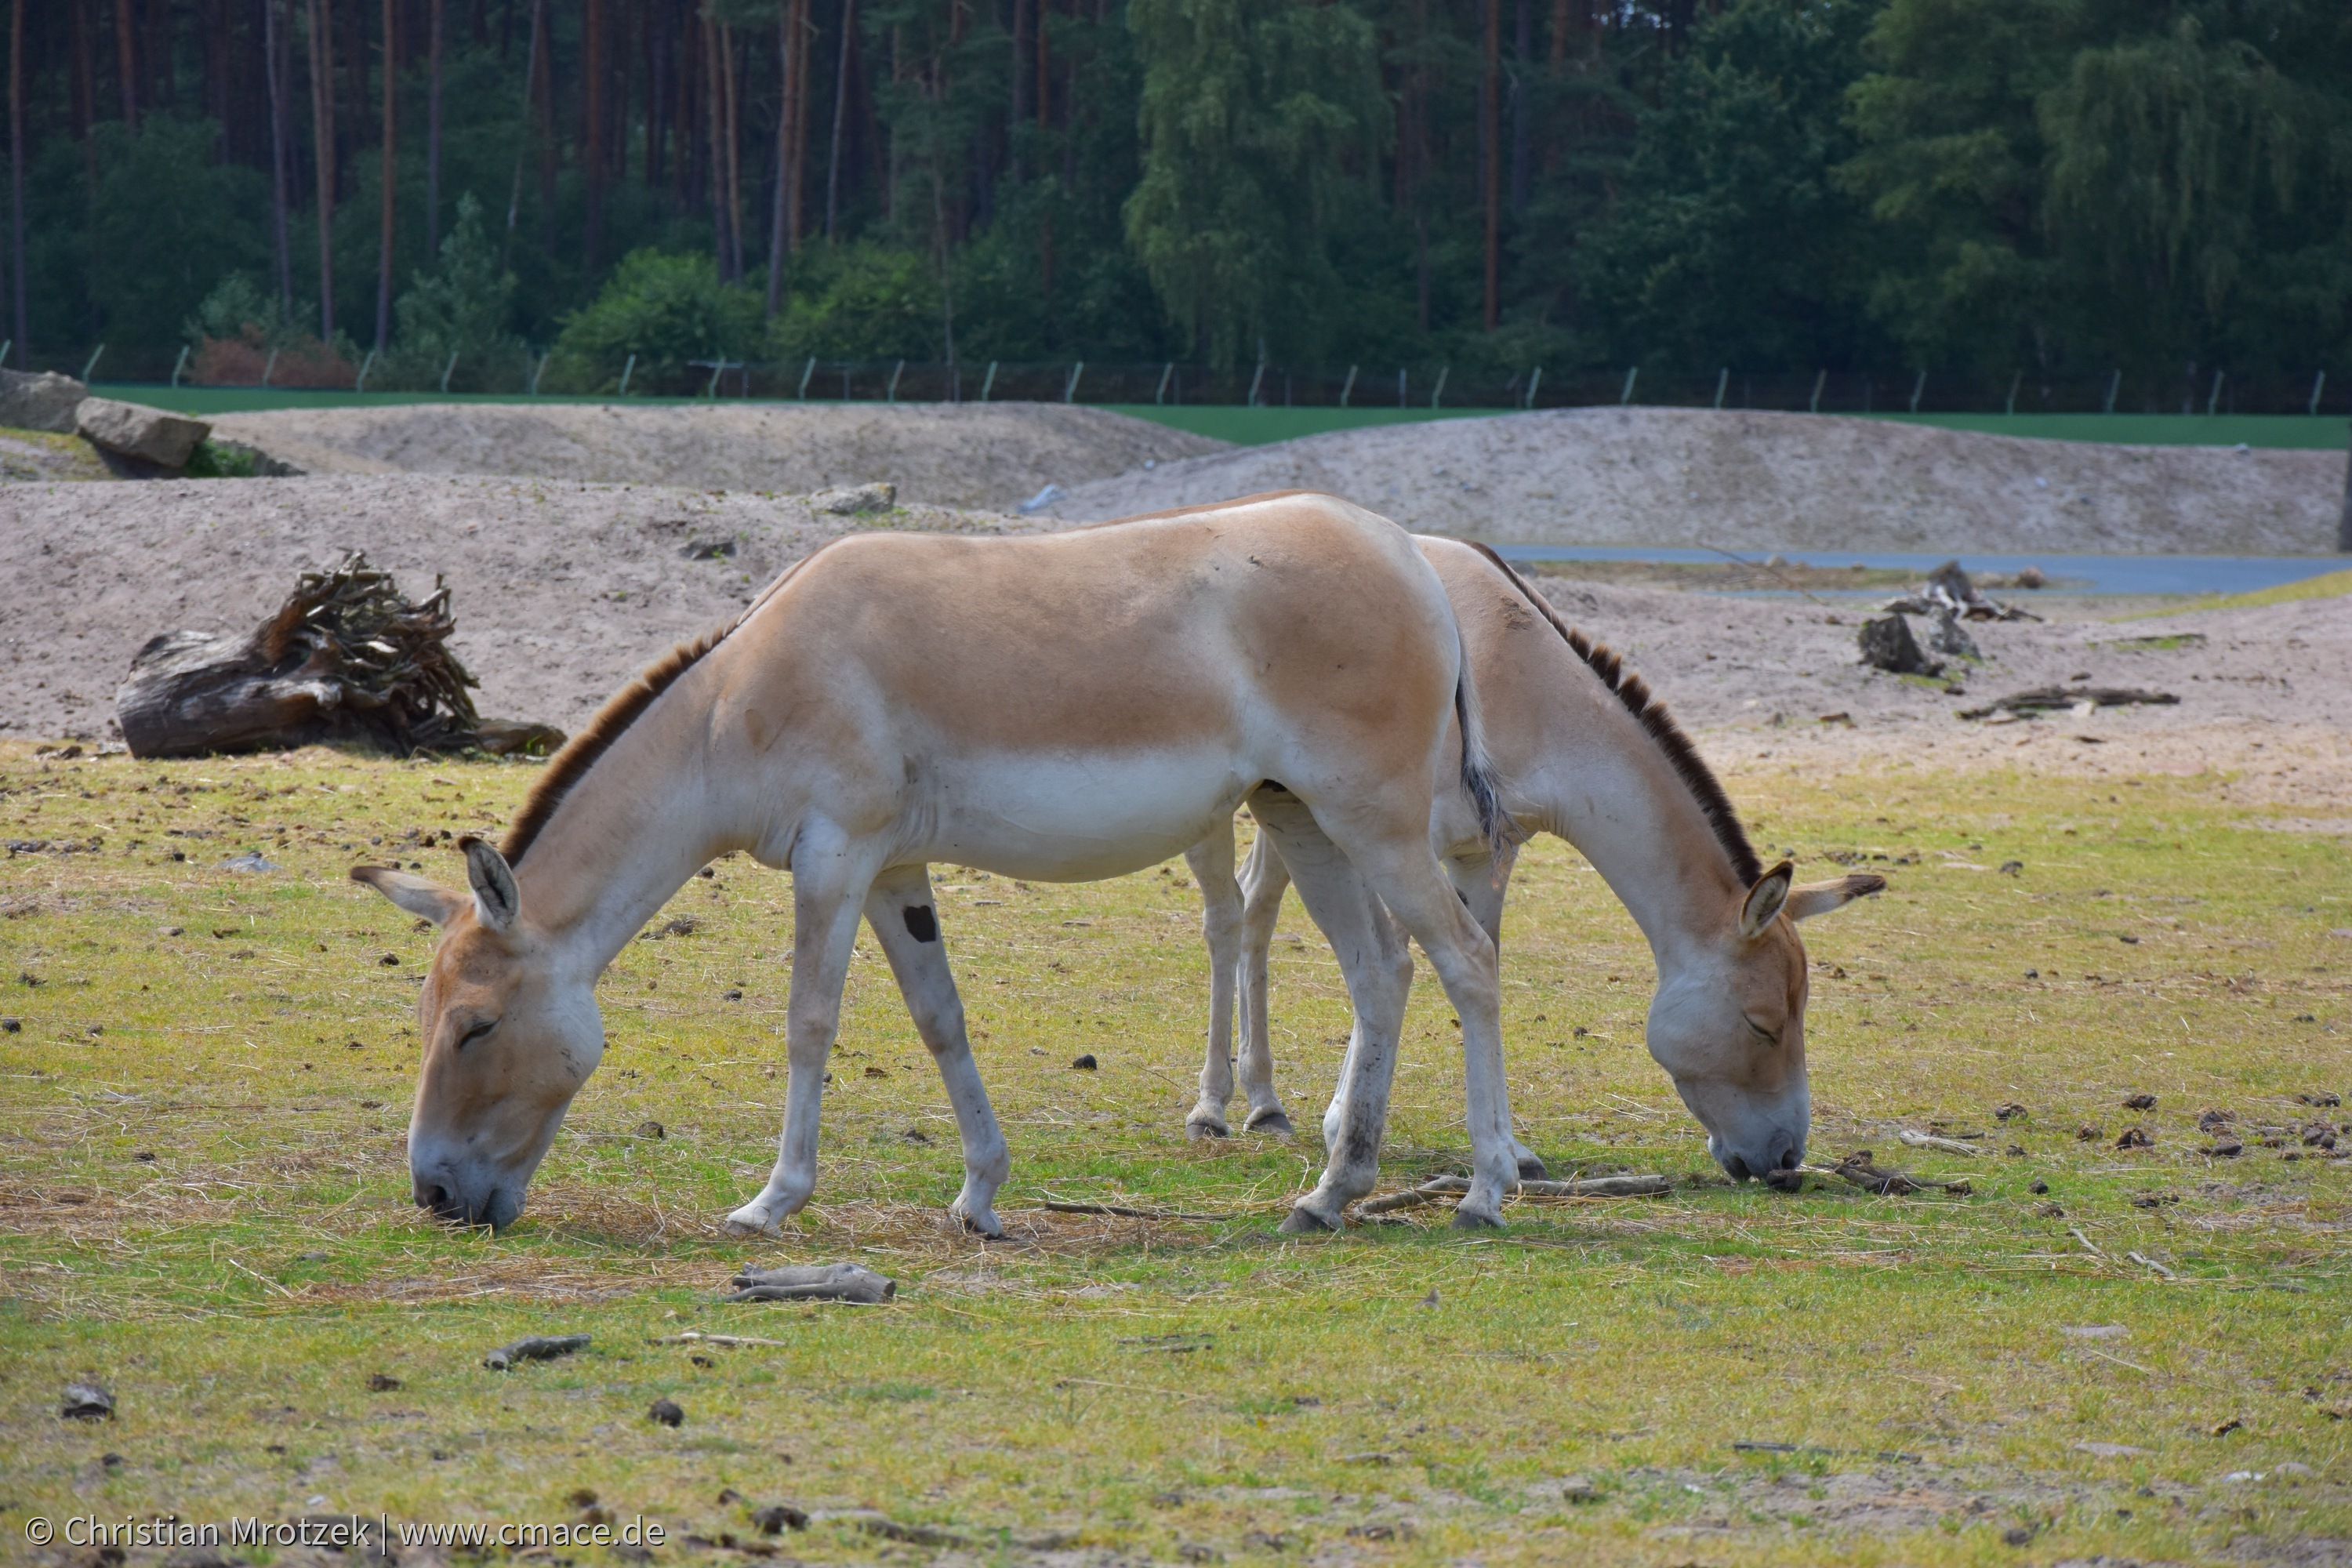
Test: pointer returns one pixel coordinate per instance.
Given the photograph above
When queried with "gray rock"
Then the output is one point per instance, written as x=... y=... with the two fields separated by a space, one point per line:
x=43 y=402
x=134 y=430
x=1952 y=639
x=847 y=500
x=1887 y=643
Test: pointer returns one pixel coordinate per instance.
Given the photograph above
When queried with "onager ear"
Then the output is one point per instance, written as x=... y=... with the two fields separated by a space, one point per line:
x=430 y=900
x=1764 y=900
x=497 y=901
x=1821 y=898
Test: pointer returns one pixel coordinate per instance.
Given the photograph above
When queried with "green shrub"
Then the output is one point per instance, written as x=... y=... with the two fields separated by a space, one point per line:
x=665 y=309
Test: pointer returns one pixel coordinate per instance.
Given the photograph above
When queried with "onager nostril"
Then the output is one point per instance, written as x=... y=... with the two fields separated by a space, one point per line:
x=432 y=1196
x=1737 y=1168
x=1789 y=1158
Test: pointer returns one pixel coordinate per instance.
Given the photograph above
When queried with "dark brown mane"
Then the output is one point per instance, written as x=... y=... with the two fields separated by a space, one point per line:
x=1635 y=694
x=621 y=710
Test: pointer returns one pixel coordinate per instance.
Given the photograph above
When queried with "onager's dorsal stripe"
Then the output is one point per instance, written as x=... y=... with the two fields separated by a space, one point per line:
x=1635 y=694
x=621 y=710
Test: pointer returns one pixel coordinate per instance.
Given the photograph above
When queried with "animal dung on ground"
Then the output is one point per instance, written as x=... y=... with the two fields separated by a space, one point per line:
x=2134 y=1138
x=2139 y=1102
x=382 y=1382
x=2208 y=1119
x=651 y=1128
x=2010 y=1112
x=86 y=1402
x=666 y=1413
x=1887 y=643
x=346 y=658
x=534 y=1347
x=2087 y=1133
x=2324 y=1098
x=1084 y=1063
x=778 y=1517
x=848 y=1282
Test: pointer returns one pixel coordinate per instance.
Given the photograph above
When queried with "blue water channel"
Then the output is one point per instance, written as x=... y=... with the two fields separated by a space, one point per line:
x=2068 y=573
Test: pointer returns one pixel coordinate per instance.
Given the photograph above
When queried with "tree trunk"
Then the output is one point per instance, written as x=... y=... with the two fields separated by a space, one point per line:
x=1490 y=115
x=433 y=130
x=273 y=45
x=732 y=80
x=1522 y=127
x=786 y=59
x=16 y=170
x=322 y=134
x=591 y=68
x=2343 y=526
x=840 y=117
x=126 y=51
x=389 y=177
x=522 y=154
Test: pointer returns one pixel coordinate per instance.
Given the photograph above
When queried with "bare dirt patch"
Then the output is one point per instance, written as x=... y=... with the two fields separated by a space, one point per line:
x=991 y=455
x=1691 y=477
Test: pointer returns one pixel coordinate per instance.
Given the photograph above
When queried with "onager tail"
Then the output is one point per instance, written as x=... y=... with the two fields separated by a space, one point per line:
x=1477 y=769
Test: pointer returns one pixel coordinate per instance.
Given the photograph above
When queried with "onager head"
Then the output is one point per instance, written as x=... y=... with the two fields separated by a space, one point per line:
x=1730 y=1029
x=508 y=1040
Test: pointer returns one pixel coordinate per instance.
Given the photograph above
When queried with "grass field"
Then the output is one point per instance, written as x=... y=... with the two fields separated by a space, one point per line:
x=1257 y=427
x=204 y=1204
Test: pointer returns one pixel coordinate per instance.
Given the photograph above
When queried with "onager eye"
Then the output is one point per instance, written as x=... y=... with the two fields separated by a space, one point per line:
x=1770 y=1036
x=476 y=1032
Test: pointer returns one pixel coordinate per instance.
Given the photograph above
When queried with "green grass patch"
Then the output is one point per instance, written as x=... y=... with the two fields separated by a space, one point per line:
x=2286 y=430
x=204 y=1204
x=2325 y=585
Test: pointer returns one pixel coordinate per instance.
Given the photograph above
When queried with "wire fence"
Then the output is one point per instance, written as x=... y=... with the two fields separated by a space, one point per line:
x=527 y=373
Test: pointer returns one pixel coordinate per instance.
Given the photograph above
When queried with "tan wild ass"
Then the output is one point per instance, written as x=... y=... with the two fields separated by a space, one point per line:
x=1580 y=749
x=1062 y=707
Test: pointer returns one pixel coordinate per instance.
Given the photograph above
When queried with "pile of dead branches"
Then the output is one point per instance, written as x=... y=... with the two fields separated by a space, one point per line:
x=347 y=658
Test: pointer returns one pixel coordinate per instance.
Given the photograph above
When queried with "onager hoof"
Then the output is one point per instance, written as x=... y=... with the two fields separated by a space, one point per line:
x=1304 y=1221
x=753 y=1219
x=1272 y=1123
x=1468 y=1218
x=1199 y=1124
x=1533 y=1169
x=984 y=1224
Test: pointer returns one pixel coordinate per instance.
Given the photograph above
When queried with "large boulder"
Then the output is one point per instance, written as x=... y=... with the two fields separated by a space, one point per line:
x=135 y=430
x=43 y=402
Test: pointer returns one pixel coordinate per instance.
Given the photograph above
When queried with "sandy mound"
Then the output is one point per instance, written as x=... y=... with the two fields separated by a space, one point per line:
x=561 y=591
x=1742 y=480
x=989 y=456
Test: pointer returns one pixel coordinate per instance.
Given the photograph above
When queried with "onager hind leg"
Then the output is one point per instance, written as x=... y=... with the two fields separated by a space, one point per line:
x=1481 y=881
x=1398 y=871
x=1211 y=861
x=1264 y=878
x=828 y=887
x=1378 y=967
x=904 y=917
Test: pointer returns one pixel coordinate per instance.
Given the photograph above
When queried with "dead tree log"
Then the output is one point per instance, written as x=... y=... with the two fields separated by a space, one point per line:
x=347 y=658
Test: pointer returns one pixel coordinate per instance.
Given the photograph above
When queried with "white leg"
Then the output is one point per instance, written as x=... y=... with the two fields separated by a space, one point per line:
x=1482 y=882
x=1379 y=970
x=1211 y=861
x=1399 y=872
x=1264 y=879
x=828 y=886
x=905 y=919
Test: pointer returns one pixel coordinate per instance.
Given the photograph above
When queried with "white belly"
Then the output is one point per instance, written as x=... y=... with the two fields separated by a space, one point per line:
x=1072 y=818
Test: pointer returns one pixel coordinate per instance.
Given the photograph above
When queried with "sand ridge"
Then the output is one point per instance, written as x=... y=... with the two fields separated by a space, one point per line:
x=1744 y=479
x=975 y=455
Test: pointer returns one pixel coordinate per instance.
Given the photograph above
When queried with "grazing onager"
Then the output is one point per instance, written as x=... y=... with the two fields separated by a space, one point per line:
x=1580 y=749
x=1062 y=707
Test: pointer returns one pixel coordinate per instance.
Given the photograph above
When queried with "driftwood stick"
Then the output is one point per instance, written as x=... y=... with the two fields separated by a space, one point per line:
x=1454 y=1186
x=1120 y=1211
